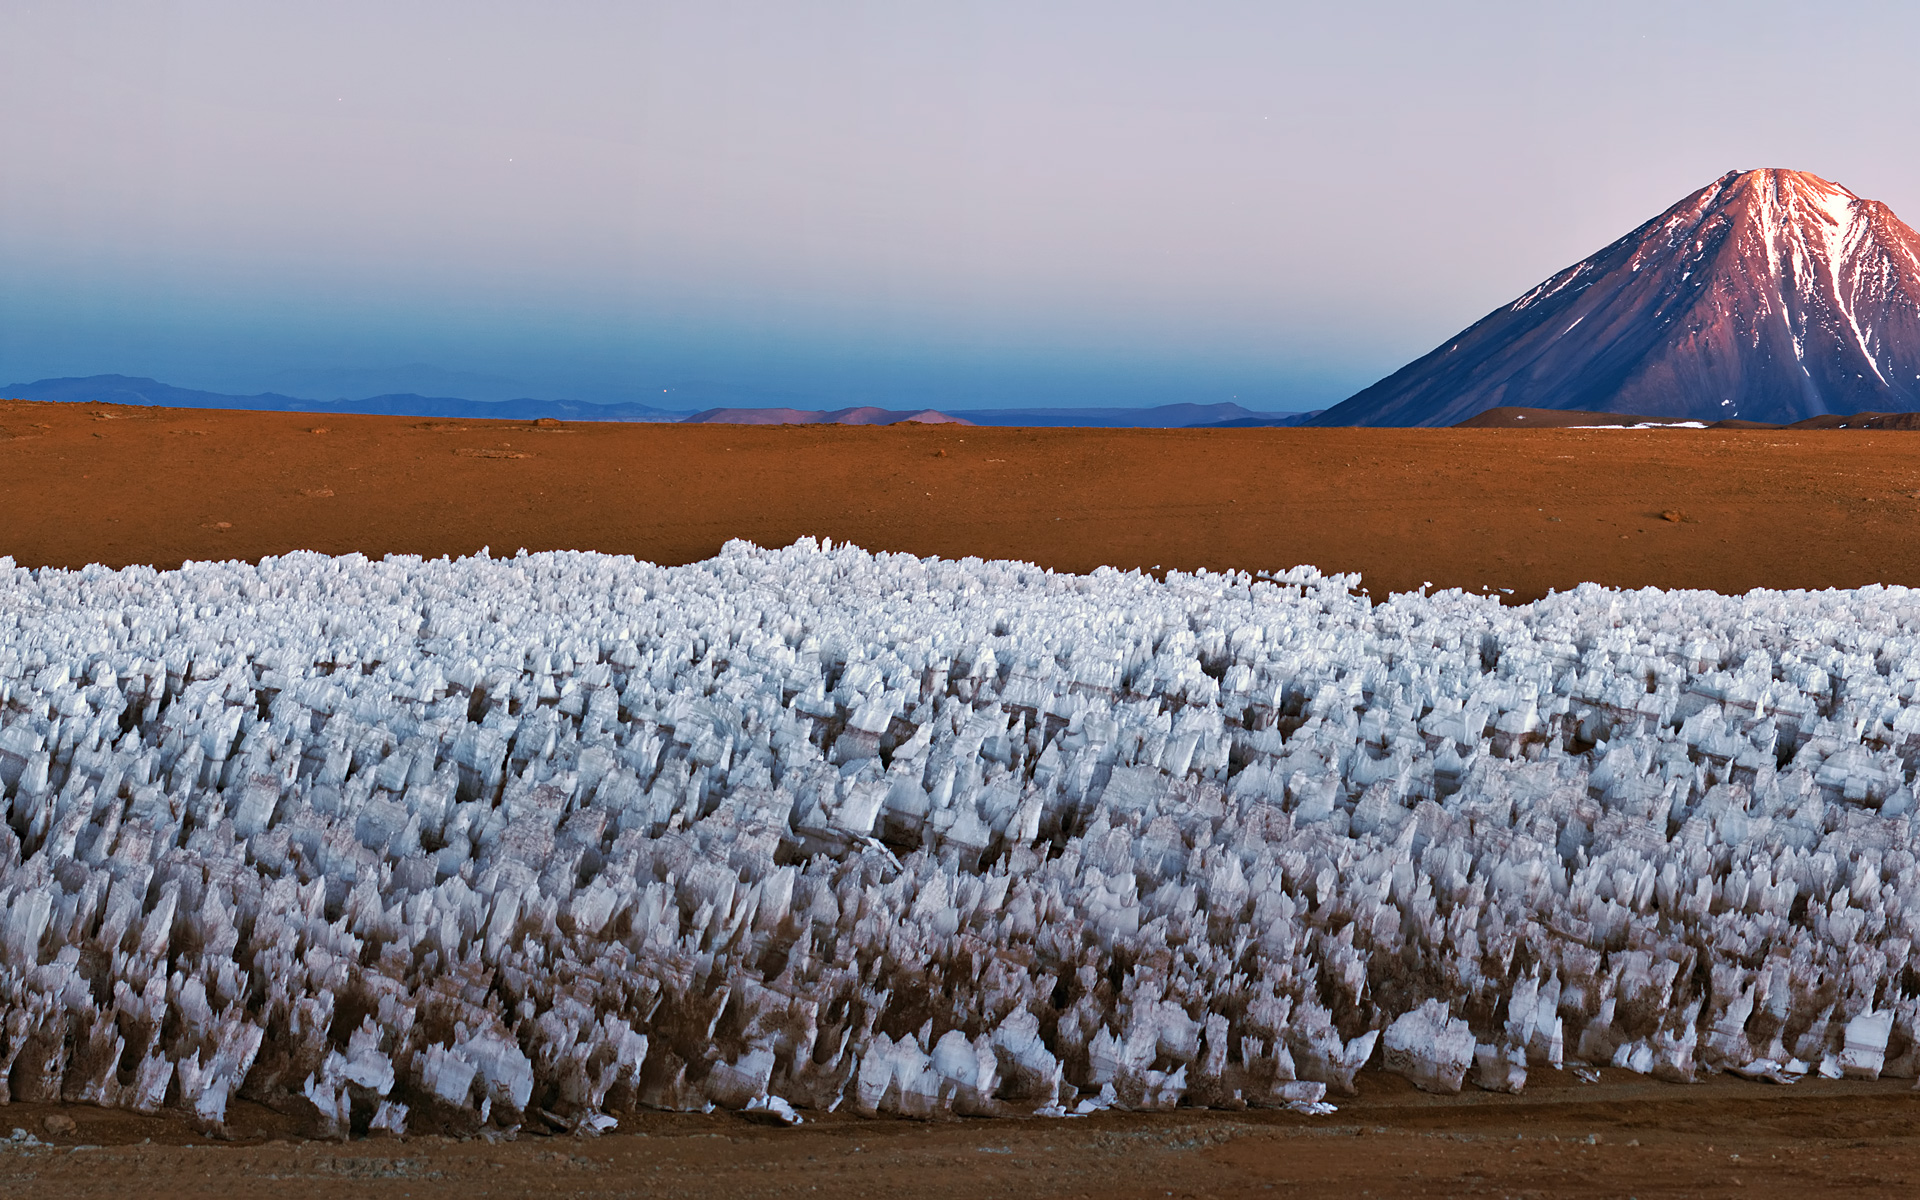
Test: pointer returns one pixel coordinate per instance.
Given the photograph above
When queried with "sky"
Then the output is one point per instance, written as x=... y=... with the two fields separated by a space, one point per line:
x=950 y=205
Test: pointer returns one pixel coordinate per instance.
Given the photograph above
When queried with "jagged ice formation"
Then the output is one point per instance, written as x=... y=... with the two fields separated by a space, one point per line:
x=445 y=844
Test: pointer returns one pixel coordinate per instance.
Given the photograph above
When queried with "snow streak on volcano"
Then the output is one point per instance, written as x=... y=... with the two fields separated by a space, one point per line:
x=1767 y=295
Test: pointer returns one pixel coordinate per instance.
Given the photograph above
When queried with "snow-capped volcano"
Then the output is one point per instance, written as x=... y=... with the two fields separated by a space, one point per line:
x=1767 y=295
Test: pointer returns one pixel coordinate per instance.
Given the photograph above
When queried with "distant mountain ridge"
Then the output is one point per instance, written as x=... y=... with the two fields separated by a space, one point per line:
x=410 y=379
x=135 y=390
x=1164 y=416
x=865 y=415
x=141 y=391
x=1767 y=295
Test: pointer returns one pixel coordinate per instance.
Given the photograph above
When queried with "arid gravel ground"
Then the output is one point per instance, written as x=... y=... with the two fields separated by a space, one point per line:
x=1620 y=1137
x=1474 y=508
x=1525 y=510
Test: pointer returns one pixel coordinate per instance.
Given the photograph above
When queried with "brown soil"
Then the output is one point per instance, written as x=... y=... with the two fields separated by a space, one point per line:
x=1621 y=1136
x=1472 y=508
x=1475 y=508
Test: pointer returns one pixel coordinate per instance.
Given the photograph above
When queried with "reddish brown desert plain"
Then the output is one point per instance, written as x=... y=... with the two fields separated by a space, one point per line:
x=1525 y=510
x=1480 y=509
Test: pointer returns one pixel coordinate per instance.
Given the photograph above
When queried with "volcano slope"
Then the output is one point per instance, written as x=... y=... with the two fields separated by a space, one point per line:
x=1767 y=295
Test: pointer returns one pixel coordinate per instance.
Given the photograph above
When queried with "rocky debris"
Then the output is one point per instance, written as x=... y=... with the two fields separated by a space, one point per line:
x=772 y=1110
x=466 y=846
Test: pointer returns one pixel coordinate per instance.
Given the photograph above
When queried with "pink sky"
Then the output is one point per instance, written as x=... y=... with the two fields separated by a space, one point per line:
x=903 y=204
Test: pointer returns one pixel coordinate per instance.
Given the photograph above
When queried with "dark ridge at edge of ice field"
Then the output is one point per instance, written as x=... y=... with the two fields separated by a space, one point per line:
x=441 y=845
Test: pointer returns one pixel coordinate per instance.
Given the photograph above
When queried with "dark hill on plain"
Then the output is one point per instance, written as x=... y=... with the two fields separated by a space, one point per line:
x=1571 y=418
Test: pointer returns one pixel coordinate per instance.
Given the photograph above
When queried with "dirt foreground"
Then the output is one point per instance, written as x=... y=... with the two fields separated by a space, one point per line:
x=1620 y=1137
x=1482 y=509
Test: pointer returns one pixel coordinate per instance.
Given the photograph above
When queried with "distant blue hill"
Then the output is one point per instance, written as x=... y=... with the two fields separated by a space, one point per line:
x=1165 y=416
x=1265 y=421
x=135 y=390
x=126 y=389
